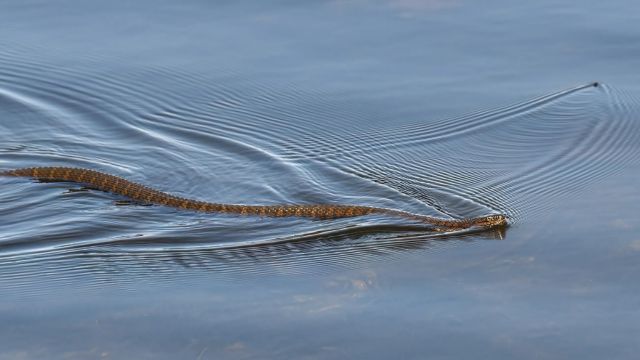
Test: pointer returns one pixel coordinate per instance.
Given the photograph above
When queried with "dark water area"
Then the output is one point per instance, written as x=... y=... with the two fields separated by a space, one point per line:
x=444 y=108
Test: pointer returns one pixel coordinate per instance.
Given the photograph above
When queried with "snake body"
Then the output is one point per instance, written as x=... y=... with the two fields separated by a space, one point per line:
x=118 y=185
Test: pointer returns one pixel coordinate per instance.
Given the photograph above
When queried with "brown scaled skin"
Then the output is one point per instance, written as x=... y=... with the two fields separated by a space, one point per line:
x=141 y=193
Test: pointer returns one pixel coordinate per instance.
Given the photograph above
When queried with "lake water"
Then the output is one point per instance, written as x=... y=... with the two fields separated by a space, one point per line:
x=445 y=108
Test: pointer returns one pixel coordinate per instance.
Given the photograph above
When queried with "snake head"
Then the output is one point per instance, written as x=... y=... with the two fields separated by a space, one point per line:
x=491 y=221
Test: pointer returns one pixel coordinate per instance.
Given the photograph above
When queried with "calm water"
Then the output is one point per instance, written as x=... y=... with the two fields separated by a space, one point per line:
x=446 y=108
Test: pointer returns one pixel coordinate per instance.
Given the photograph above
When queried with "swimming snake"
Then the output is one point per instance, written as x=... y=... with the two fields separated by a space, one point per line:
x=137 y=192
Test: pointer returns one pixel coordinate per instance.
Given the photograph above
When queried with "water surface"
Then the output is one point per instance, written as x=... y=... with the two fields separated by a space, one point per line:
x=449 y=109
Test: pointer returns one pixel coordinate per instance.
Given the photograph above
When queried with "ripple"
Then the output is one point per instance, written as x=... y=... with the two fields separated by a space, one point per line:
x=519 y=159
x=228 y=138
x=36 y=273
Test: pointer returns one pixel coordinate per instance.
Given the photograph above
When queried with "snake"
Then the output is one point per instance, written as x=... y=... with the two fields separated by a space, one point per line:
x=144 y=194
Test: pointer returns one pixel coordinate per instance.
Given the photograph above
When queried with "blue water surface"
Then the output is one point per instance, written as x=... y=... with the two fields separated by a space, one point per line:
x=447 y=108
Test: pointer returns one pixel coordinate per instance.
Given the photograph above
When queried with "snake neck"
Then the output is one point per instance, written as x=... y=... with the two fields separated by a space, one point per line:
x=485 y=222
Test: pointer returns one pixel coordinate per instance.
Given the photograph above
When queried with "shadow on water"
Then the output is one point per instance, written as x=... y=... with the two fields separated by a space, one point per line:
x=144 y=259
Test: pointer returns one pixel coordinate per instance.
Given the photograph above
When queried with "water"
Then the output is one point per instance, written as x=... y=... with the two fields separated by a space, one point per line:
x=443 y=108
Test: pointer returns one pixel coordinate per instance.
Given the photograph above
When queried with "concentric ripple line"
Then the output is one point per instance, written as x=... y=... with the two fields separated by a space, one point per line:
x=570 y=145
x=149 y=261
x=426 y=161
x=433 y=132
